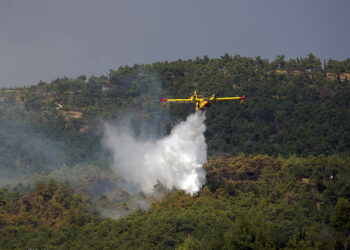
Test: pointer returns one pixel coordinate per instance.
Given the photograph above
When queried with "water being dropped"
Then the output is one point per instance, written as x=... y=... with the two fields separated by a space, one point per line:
x=175 y=160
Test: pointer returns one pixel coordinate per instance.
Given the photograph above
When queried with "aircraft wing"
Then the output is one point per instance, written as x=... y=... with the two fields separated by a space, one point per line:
x=224 y=99
x=189 y=100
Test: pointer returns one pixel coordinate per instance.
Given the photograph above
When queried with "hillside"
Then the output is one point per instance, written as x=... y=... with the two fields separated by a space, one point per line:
x=250 y=202
x=293 y=107
x=268 y=171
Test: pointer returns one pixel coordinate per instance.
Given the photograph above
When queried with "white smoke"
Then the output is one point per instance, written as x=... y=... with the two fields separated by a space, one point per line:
x=175 y=161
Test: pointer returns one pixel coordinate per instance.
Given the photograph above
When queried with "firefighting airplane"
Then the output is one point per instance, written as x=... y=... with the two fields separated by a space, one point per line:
x=202 y=103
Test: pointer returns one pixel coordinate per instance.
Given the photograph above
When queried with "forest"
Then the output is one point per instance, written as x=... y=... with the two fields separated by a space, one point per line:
x=277 y=175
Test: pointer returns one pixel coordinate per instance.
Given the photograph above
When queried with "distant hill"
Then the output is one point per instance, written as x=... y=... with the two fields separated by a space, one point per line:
x=293 y=107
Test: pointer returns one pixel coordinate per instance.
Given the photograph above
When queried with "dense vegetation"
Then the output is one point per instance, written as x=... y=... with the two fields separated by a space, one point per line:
x=294 y=130
x=250 y=202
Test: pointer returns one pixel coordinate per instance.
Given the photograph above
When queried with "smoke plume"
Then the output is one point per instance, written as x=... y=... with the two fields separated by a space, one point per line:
x=175 y=161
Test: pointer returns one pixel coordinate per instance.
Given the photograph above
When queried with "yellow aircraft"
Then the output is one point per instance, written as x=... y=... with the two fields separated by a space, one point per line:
x=202 y=103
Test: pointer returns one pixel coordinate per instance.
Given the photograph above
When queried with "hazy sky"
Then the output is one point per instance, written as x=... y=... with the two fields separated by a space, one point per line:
x=46 y=39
